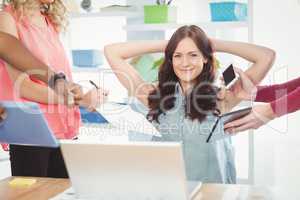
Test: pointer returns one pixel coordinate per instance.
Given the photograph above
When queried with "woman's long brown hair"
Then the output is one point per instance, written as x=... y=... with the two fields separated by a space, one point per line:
x=202 y=97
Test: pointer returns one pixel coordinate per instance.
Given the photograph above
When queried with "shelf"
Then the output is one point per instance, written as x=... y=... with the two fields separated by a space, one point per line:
x=128 y=14
x=170 y=26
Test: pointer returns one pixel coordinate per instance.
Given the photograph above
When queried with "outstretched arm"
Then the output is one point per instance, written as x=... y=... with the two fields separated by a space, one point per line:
x=272 y=92
x=262 y=114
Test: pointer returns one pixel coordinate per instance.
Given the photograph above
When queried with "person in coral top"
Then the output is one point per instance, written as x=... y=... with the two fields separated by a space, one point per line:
x=24 y=61
x=280 y=99
x=37 y=24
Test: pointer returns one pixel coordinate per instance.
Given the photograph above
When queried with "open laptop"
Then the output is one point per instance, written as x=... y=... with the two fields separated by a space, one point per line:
x=130 y=171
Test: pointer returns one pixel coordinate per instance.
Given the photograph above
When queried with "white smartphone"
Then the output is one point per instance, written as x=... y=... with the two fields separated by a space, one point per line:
x=229 y=76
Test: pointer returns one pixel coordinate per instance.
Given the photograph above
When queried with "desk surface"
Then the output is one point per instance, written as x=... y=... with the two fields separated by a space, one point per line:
x=46 y=188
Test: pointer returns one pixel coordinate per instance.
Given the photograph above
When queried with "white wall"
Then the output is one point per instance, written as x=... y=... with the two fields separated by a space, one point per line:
x=94 y=33
x=277 y=151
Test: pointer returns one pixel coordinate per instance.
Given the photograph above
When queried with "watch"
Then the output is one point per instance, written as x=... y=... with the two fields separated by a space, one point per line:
x=54 y=78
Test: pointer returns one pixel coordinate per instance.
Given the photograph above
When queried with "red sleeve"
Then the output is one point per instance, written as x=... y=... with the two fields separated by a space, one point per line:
x=273 y=92
x=287 y=103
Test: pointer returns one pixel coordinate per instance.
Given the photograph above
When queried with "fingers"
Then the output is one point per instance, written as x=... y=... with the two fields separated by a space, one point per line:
x=238 y=71
x=240 y=125
x=91 y=109
x=238 y=122
x=103 y=92
x=221 y=79
x=61 y=87
x=235 y=87
x=69 y=93
x=242 y=75
x=94 y=98
x=244 y=127
x=2 y=110
x=3 y=114
x=77 y=91
x=70 y=99
x=221 y=94
x=235 y=130
x=102 y=96
x=75 y=87
x=77 y=98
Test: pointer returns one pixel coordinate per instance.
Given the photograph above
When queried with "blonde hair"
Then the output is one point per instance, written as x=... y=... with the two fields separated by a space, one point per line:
x=56 y=11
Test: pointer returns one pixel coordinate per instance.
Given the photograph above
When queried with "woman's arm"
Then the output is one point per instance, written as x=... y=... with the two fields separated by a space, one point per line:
x=15 y=54
x=117 y=54
x=21 y=58
x=261 y=57
x=262 y=114
x=273 y=92
x=26 y=88
x=277 y=105
x=287 y=103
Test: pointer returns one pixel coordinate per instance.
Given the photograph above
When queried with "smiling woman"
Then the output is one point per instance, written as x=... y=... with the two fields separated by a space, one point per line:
x=189 y=61
x=184 y=104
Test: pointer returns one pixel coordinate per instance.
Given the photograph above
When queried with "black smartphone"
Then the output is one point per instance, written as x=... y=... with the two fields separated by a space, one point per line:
x=229 y=76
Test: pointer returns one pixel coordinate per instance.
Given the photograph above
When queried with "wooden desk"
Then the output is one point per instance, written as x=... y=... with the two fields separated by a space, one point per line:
x=46 y=188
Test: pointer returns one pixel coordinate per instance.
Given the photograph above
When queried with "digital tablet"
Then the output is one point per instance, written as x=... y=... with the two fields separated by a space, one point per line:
x=25 y=124
x=231 y=116
x=216 y=134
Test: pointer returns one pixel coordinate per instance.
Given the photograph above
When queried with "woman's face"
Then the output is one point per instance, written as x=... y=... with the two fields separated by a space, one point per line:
x=187 y=60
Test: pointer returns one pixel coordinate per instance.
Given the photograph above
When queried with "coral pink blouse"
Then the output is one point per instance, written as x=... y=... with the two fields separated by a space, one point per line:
x=45 y=44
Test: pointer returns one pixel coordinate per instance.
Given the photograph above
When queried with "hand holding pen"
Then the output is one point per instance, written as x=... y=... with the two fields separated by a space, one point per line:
x=93 y=98
x=111 y=102
x=104 y=92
